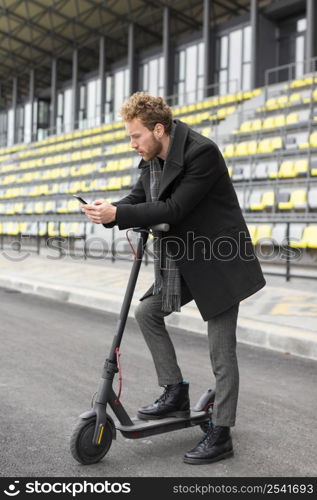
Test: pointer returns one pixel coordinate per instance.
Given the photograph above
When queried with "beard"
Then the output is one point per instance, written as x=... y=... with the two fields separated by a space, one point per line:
x=154 y=149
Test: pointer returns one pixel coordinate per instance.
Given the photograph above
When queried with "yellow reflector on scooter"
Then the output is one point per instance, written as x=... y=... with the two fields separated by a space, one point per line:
x=100 y=434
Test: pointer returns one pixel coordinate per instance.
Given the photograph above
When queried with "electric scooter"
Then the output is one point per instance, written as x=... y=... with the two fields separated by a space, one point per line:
x=92 y=437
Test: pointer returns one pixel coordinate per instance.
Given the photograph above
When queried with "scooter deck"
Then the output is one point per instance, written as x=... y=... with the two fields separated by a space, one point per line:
x=143 y=428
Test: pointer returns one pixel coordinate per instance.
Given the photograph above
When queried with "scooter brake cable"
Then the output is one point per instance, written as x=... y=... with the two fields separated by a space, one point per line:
x=131 y=246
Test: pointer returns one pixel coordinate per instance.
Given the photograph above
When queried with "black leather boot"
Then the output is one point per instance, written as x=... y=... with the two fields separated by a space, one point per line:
x=174 y=402
x=216 y=445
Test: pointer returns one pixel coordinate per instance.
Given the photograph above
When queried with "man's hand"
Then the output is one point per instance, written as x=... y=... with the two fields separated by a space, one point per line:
x=100 y=211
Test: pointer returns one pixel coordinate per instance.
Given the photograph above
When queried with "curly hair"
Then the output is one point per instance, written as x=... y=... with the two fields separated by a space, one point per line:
x=149 y=109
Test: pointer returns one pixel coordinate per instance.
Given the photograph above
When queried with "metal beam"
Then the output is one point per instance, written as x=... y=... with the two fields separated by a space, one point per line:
x=167 y=55
x=31 y=100
x=53 y=107
x=74 y=115
x=206 y=40
x=254 y=21
x=102 y=72
x=14 y=106
x=132 y=59
x=311 y=35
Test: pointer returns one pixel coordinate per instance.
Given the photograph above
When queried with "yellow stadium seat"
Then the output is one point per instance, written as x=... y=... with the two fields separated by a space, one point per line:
x=287 y=169
x=292 y=118
x=299 y=199
x=311 y=236
x=114 y=183
x=229 y=150
x=242 y=149
x=280 y=121
x=252 y=230
x=271 y=103
x=39 y=207
x=126 y=180
x=246 y=126
x=264 y=232
x=313 y=140
x=252 y=147
x=276 y=143
x=301 y=167
x=282 y=101
x=264 y=146
x=295 y=98
x=268 y=199
x=256 y=125
x=269 y=122
x=308 y=239
x=53 y=229
x=23 y=227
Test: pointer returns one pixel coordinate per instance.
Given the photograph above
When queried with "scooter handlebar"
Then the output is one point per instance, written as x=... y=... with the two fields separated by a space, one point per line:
x=164 y=227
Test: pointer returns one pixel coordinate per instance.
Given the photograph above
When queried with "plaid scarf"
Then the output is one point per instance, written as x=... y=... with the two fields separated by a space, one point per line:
x=166 y=273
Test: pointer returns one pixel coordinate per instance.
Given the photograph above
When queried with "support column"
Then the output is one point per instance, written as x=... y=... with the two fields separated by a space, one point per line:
x=207 y=51
x=53 y=107
x=102 y=70
x=311 y=35
x=254 y=21
x=31 y=101
x=74 y=115
x=132 y=60
x=14 y=106
x=167 y=55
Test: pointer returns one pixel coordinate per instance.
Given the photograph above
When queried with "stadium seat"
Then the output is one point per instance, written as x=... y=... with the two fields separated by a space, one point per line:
x=287 y=169
x=252 y=230
x=308 y=238
x=301 y=168
x=263 y=234
x=299 y=199
x=279 y=233
x=260 y=171
x=295 y=234
x=53 y=229
x=312 y=198
x=255 y=200
x=283 y=200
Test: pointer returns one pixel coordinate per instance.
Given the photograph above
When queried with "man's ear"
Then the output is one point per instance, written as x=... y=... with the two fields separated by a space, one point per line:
x=159 y=130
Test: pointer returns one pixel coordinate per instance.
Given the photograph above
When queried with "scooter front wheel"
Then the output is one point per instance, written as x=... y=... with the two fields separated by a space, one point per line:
x=81 y=445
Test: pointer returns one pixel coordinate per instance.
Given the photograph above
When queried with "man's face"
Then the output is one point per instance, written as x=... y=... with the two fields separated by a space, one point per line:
x=143 y=140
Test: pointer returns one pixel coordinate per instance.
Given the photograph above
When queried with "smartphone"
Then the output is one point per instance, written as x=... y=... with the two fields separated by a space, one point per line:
x=80 y=199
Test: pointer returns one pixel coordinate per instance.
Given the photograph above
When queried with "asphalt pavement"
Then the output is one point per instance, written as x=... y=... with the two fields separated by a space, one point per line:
x=52 y=353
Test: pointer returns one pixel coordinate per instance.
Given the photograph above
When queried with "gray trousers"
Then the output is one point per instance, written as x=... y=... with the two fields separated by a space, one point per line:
x=222 y=349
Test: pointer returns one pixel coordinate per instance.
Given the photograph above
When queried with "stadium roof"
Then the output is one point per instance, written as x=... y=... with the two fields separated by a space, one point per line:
x=32 y=32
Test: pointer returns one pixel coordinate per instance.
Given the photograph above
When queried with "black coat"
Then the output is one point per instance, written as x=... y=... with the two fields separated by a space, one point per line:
x=208 y=236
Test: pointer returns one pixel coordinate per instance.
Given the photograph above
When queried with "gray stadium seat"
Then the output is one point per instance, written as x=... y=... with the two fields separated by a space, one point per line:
x=279 y=233
x=296 y=231
x=260 y=171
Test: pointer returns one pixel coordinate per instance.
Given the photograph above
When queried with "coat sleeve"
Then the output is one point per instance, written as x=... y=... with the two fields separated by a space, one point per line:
x=137 y=195
x=200 y=174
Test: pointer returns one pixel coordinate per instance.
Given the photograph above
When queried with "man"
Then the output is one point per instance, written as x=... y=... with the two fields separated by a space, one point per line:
x=207 y=256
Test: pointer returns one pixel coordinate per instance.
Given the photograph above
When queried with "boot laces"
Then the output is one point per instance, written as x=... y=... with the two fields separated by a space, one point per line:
x=163 y=396
x=210 y=435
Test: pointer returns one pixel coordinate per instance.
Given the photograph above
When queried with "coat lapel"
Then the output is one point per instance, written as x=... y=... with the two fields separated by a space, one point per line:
x=175 y=160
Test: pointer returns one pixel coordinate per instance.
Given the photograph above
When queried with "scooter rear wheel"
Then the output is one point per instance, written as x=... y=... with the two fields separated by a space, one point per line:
x=81 y=445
